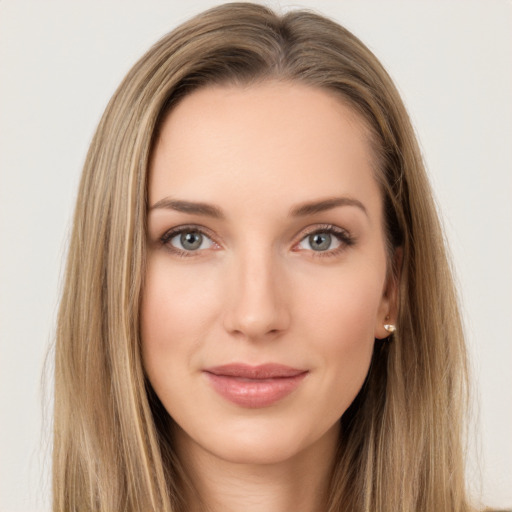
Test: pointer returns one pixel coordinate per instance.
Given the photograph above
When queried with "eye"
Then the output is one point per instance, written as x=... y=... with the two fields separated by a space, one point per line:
x=325 y=240
x=187 y=240
x=320 y=241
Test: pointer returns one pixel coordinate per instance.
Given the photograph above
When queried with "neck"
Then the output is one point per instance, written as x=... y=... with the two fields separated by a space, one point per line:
x=300 y=483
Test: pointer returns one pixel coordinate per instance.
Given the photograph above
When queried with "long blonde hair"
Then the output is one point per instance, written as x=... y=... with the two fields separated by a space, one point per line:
x=401 y=442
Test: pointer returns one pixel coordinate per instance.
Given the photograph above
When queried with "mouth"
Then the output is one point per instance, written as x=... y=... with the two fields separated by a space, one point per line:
x=254 y=386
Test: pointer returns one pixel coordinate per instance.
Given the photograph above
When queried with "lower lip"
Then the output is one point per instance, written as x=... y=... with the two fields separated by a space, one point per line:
x=254 y=393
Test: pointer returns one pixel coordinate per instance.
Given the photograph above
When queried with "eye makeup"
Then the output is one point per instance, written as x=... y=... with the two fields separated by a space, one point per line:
x=322 y=238
x=192 y=240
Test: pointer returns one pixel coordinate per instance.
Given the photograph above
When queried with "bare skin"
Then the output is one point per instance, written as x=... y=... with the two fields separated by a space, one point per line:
x=299 y=483
x=266 y=246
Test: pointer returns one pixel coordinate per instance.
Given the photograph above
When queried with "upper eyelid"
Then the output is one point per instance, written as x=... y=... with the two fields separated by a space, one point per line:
x=323 y=227
x=170 y=233
x=307 y=230
x=330 y=228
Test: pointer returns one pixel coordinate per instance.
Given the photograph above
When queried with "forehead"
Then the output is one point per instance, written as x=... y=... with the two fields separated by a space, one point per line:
x=286 y=140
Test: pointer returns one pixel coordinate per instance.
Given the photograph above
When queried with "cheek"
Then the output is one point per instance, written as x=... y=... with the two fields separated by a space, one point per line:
x=177 y=300
x=177 y=311
x=343 y=306
x=341 y=317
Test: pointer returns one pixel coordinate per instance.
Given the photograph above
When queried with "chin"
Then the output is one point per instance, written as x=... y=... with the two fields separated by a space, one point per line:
x=260 y=441
x=261 y=452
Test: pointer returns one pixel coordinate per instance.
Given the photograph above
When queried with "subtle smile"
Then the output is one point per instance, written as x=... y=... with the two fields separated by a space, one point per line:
x=254 y=386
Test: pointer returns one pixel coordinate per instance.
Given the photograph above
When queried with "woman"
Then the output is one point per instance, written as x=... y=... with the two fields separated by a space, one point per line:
x=258 y=311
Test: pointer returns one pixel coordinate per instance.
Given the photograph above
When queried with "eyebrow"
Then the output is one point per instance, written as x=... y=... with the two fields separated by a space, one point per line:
x=313 y=207
x=301 y=210
x=205 y=209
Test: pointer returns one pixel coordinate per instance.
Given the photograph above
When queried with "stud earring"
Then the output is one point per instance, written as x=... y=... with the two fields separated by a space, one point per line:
x=390 y=328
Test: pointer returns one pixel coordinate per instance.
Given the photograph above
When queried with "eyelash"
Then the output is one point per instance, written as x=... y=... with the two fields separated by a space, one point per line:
x=169 y=235
x=342 y=235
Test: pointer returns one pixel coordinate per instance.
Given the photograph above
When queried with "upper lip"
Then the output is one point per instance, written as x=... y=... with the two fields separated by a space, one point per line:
x=262 y=371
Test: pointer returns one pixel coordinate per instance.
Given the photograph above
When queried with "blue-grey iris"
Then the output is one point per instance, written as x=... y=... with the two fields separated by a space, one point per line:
x=191 y=240
x=320 y=241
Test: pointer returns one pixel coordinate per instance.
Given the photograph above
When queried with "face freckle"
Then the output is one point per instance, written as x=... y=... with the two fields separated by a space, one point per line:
x=266 y=274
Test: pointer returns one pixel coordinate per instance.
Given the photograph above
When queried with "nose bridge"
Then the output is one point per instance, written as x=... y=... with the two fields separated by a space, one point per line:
x=257 y=304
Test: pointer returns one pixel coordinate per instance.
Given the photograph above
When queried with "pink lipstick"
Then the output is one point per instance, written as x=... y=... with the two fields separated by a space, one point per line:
x=254 y=386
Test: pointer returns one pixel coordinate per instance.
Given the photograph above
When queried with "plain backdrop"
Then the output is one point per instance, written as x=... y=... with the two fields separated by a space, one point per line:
x=61 y=61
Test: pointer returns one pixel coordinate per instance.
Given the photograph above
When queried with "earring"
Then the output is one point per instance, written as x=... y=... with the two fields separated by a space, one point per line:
x=390 y=328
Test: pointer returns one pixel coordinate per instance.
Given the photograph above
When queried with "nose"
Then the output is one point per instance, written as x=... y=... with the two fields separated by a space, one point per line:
x=257 y=304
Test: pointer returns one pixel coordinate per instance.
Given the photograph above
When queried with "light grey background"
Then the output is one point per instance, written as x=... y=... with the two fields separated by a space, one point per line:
x=61 y=61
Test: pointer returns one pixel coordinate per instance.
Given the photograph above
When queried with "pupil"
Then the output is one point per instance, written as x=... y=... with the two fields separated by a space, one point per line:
x=320 y=242
x=191 y=240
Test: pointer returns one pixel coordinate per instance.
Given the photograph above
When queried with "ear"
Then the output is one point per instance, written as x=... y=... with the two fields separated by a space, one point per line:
x=388 y=308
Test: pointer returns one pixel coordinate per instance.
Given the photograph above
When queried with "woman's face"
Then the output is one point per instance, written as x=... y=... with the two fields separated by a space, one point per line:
x=266 y=276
